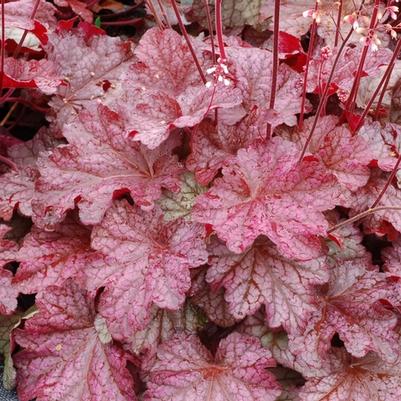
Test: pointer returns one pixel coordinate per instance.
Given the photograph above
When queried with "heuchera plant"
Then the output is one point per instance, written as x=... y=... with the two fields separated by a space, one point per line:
x=200 y=200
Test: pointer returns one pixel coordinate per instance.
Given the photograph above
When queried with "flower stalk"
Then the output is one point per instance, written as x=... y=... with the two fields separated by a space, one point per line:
x=219 y=31
x=360 y=216
x=308 y=60
x=350 y=104
x=382 y=86
x=188 y=40
x=276 y=32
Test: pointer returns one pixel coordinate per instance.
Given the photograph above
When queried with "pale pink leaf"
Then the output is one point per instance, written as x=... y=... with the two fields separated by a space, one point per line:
x=236 y=13
x=293 y=20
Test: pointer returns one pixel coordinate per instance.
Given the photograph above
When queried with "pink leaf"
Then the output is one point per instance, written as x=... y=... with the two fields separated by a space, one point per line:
x=85 y=66
x=183 y=369
x=67 y=352
x=99 y=161
x=210 y=300
x=392 y=258
x=262 y=276
x=40 y=74
x=163 y=325
x=151 y=115
x=348 y=378
x=8 y=292
x=78 y=7
x=364 y=198
x=165 y=62
x=18 y=14
x=17 y=186
x=164 y=89
x=212 y=146
x=346 y=69
x=345 y=156
x=252 y=69
x=350 y=307
x=150 y=262
x=180 y=204
x=50 y=258
x=265 y=191
x=381 y=142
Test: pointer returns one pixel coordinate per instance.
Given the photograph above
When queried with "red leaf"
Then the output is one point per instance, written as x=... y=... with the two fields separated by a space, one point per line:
x=288 y=45
x=89 y=30
x=66 y=25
